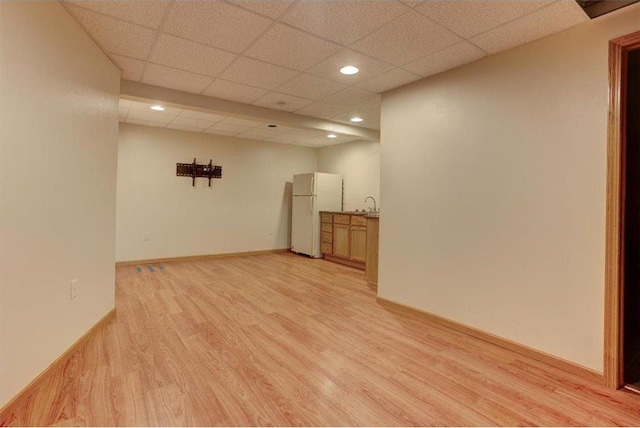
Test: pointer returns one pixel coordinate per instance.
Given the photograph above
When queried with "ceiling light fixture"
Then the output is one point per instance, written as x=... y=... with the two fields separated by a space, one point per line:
x=332 y=136
x=356 y=119
x=349 y=70
x=157 y=108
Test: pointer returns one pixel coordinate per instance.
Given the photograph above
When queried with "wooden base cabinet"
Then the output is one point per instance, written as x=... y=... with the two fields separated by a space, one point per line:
x=371 y=271
x=326 y=246
x=341 y=241
x=348 y=239
x=358 y=239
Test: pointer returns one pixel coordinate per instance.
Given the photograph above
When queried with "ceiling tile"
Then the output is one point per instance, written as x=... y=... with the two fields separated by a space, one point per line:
x=272 y=9
x=469 y=18
x=131 y=68
x=284 y=139
x=175 y=79
x=241 y=122
x=446 y=59
x=234 y=91
x=114 y=35
x=371 y=117
x=183 y=127
x=322 y=110
x=251 y=137
x=190 y=56
x=260 y=133
x=389 y=80
x=288 y=47
x=406 y=39
x=354 y=98
x=370 y=114
x=330 y=67
x=257 y=73
x=281 y=128
x=372 y=124
x=215 y=23
x=147 y=13
x=219 y=132
x=412 y=3
x=543 y=22
x=277 y=141
x=192 y=123
x=283 y=102
x=304 y=133
x=343 y=22
x=226 y=127
x=311 y=87
x=199 y=115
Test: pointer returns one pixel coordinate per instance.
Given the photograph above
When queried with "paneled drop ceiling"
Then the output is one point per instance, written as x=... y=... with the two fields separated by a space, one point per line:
x=140 y=113
x=286 y=54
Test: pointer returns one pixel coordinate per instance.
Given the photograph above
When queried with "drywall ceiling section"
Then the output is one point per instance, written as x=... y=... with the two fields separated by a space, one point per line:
x=286 y=55
x=199 y=113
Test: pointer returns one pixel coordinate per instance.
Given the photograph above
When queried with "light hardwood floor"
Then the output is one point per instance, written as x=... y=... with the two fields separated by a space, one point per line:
x=279 y=339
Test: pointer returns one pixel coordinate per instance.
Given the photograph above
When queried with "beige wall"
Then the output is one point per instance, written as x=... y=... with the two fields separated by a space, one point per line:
x=494 y=190
x=247 y=210
x=58 y=141
x=359 y=164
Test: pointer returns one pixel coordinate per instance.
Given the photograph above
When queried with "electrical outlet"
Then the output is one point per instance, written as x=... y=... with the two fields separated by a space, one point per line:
x=146 y=236
x=75 y=288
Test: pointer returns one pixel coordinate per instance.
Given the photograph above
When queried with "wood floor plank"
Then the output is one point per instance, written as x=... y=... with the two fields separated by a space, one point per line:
x=279 y=339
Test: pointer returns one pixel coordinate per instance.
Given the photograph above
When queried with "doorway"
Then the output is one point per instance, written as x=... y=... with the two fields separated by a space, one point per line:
x=622 y=265
x=631 y=280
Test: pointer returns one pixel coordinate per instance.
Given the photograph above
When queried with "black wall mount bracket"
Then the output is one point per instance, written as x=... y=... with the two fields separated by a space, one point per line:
x=195 y=170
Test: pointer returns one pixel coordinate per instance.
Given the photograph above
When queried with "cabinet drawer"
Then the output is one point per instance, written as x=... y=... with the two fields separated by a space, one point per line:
x=358 y=220
x=327 y=227
x=326 y=248
x=341 y=218
x=327 y=237
x=326 y=218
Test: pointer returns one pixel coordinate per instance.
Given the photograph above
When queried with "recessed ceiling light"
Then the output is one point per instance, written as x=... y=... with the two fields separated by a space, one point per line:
x=157 y=108
x=356 y=119
x=349 y=69
x=332 y=136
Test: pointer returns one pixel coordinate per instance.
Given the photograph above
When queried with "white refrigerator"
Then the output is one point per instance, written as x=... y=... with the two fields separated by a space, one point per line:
x=312 y=193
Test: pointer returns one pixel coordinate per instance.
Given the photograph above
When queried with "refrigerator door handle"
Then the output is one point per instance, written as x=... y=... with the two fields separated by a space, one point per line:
x=313 y=179
x=311 y=205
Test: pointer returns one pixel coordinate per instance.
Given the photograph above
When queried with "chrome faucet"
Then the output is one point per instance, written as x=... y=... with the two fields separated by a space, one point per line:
x=375 y=209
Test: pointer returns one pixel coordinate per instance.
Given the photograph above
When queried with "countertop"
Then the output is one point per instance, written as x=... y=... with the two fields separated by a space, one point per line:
x=362 y=213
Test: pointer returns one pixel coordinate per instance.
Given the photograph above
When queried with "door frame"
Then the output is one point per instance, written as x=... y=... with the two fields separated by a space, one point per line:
x=614 y=240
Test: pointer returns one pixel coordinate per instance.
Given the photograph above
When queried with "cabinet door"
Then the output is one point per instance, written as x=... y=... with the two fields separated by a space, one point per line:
x=358 y=244
x=371 y=271
x=341 y=240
